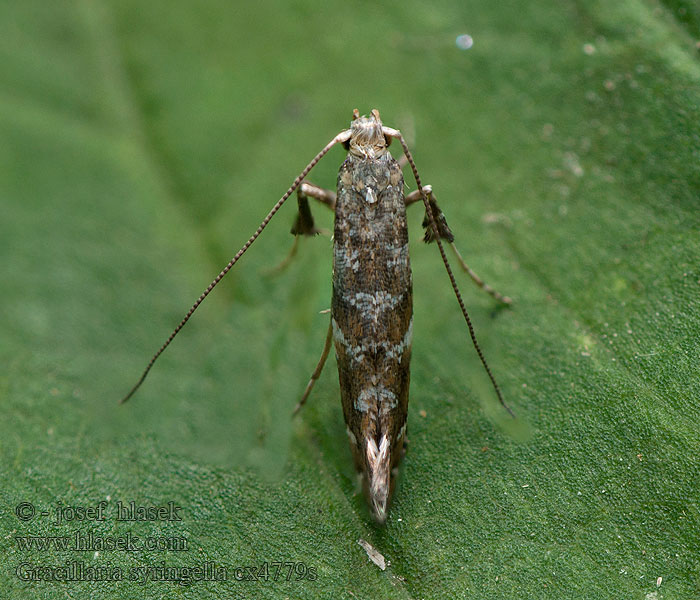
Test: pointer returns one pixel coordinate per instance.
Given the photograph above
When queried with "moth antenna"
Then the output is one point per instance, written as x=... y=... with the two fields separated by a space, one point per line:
x=397 y=134
x=341 y=137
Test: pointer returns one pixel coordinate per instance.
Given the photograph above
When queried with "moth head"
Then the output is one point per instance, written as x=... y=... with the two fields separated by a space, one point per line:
x=367 y=139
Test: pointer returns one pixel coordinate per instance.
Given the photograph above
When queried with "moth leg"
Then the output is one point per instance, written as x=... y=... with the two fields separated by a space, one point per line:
x=446 y=234
x=304 y=222
x=317 y=372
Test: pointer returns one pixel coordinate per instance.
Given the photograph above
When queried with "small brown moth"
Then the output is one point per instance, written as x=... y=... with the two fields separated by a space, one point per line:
x=372 y=305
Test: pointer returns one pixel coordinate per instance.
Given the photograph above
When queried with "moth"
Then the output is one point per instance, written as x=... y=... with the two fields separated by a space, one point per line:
x=371 y=324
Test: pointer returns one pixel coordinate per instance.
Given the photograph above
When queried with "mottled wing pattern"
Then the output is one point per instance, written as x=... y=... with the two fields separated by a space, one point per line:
x=372 y=304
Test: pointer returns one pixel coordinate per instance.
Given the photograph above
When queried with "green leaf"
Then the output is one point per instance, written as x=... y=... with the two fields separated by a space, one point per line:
x=143 y=143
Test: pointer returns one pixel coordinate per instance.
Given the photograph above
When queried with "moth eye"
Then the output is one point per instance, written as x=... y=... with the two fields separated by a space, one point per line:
x=388 y=139
x=346 y=145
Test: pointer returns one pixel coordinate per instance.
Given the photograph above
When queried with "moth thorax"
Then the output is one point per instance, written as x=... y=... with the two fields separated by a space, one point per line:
x=367 y=139
x=378 y=476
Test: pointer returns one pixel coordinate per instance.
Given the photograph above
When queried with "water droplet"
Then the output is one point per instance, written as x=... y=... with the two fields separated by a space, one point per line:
x=464 y=41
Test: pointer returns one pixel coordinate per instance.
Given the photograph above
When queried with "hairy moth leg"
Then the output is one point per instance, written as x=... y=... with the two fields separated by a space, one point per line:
x=446 y=234
x=304 y=222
